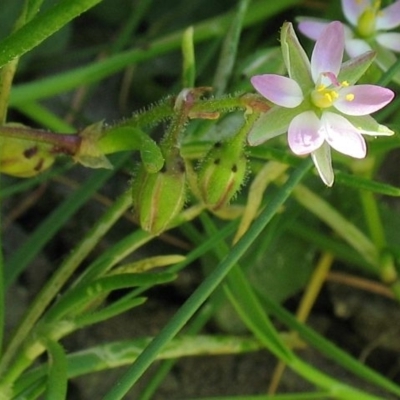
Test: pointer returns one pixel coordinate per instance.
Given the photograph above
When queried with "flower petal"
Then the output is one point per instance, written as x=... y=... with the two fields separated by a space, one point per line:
x=352 y=9
x=342 y=135
x=303 y=134
x=363 y=99
x=389 y=17
x=322 y=161
x=312 y=27
x=356 y=47
x=390 y=40
x=328 y=51
x=283 y=91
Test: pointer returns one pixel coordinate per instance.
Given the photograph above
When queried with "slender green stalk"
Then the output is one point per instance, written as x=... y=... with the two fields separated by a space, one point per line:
x=45 y=118
x=189 y=64
x=206 y=288
x=229 y=49
x=389 y=74
x=373 y=219
x=8 y=71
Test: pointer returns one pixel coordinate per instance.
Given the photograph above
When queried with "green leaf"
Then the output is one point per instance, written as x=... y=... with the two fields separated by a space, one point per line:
x=227 y=57
x=73 y=302
x=41 y=27
x=359 y=182
x=111 y=311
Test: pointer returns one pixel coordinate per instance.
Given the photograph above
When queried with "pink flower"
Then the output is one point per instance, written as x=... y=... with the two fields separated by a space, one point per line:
x=318 y=104
x=367 y=30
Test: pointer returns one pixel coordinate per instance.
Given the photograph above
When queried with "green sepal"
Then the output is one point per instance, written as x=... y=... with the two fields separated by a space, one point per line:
x=368 y=125
x=273 y=123
x=295 y=58
x=353 y=69
x=90 y=153
x=151 y=155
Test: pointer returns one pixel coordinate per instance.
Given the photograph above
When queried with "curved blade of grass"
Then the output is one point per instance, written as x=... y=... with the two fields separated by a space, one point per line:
x=341 y=225
x=329 y=349
x=366 y=184
x=57 y=376
x=77 y=298
x=249 y=309
x=111 y=311
x=206 y=288
x=214 y=27
x=256 y=312
x=41 y=27
x=57 y=218
x=112 y=256
x=358 y=182
x=227 y=57
x=23 y=185
x=117 y=354
x=61 y=276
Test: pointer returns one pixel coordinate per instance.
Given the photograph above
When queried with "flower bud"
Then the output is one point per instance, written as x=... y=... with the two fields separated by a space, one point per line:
x=159 y=197
x=24 y=158
x=221 y=174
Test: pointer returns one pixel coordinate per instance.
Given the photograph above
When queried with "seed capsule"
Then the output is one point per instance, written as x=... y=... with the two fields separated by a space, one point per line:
x=24 y=158
x=221 y=174
x=159 y=197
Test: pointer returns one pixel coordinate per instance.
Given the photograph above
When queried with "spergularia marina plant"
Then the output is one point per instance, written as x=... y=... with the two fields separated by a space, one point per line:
x=367 y=29
x=319 y=105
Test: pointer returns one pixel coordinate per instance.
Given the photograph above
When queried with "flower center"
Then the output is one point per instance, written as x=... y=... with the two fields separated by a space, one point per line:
x=323 y=97
x=367 y=20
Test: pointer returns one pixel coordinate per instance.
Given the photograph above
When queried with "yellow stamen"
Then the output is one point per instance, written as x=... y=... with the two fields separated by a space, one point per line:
x=322 y=97
x=349 y=97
